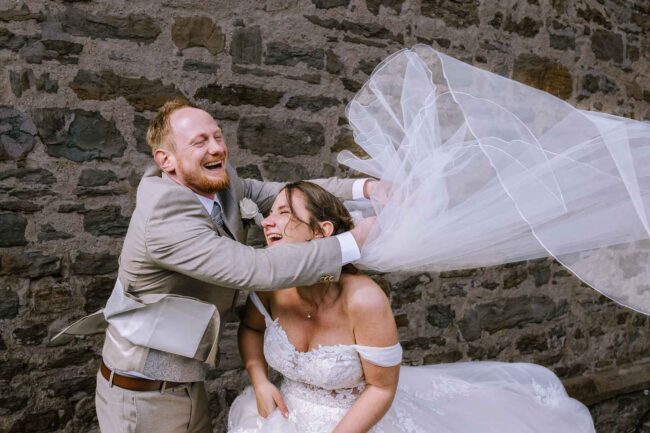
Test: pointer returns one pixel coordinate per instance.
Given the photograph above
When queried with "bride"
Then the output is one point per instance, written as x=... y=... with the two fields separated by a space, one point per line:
x=335 y=345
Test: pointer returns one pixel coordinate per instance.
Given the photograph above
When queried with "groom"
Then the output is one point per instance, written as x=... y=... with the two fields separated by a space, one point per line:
x=181 y=266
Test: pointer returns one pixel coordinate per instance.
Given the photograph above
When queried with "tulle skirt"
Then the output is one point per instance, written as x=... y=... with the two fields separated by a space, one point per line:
x=467 y=397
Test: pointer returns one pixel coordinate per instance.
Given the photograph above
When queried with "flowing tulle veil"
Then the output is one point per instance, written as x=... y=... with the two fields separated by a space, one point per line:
x=485 y=170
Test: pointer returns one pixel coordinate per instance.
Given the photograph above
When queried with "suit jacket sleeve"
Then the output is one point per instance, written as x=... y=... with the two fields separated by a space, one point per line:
x=180 y=237
x=264 y=193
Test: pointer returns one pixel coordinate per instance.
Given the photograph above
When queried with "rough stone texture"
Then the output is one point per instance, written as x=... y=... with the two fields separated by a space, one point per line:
x=440 y=316
x=250 y=171
x=106 y=221
x=345 y=141
x=278 y=53
x=457 y=13
x=312 y=103
x=333 y=63
x=367 y=30
x=78 y=135
x=544 y=74
x=17 y=133
x=94 y=264
x=329 y=4
x=562 y=36
x=527 y=27
x=290 y=138
x=239 y=95
x=188 y=32
x=284 y=171
x=19 y=81
x=374 y=6
x=607 y=45
x=8 y=305
x=63 y=51
x=29 y=175
x=140 y=125
x=135 y=27
x=98 y=291
x=92 y=177
x=30 y=335
x=21 y=13
x=142 y=93
x=31 y=264
x=20 y=206
x=82 y=79
x=308 y=78
x=12 y=230
x=246 y=45
x=10 y=40
x=49 y=233
x=71 y=207
x=201 y=67
x=22 y=81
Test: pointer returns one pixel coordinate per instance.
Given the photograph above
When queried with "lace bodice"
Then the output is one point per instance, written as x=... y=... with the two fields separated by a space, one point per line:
x=332 y=374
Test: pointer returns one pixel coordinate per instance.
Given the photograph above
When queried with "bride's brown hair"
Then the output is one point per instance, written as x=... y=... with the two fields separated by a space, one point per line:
x=322 y=206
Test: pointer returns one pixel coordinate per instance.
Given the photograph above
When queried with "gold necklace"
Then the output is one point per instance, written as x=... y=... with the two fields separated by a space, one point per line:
x=309 y=314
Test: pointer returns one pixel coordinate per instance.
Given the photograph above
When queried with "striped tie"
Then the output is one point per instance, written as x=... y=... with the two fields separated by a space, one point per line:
x=216 y=215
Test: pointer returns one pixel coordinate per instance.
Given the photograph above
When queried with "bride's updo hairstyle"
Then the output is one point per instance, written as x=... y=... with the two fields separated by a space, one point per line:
x=321 y=205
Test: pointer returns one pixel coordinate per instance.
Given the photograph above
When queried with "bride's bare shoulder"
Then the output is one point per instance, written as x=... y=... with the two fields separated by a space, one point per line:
x=363 y=296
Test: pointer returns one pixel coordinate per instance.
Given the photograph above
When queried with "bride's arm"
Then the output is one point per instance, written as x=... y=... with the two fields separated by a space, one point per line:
x=374 y=325
x=250 y=337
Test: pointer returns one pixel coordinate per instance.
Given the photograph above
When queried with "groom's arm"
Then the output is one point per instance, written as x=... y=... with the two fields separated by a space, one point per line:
x=180 y=238
x=264 y=193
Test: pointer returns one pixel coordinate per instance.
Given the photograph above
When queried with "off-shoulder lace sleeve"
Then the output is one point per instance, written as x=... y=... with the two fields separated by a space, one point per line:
x=381 y=356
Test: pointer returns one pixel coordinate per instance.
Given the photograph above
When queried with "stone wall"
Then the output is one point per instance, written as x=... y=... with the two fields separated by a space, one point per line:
x=81 y=79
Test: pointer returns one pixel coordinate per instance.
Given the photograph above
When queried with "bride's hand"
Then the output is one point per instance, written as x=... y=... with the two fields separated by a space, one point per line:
x=268 y=397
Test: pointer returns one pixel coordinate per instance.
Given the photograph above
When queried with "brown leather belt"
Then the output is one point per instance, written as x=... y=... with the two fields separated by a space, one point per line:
x=135 y=383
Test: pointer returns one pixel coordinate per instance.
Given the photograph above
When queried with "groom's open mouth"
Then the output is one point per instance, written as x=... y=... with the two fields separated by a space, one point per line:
x=214 y=165
x=271 y=238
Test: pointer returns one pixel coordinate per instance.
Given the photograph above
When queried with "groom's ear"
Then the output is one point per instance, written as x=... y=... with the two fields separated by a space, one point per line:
x=327 y=228
x=165 y=159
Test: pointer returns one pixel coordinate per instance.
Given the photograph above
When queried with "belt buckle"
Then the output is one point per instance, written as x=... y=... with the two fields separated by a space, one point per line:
x=110 y=378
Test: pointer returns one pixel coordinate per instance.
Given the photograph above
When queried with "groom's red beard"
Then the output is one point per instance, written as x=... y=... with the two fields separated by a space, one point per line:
x=203 y=183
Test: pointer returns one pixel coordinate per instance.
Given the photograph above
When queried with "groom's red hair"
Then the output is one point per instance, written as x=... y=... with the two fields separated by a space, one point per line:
x=158 y=133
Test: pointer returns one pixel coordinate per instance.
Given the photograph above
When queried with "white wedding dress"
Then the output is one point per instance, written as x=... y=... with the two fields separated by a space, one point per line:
x=321 y=385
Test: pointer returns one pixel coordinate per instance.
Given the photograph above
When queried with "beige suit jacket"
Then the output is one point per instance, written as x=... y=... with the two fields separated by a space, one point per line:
x=173 y=247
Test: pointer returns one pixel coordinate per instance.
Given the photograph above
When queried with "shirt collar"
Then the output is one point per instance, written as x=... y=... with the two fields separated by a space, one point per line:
x=207 y=203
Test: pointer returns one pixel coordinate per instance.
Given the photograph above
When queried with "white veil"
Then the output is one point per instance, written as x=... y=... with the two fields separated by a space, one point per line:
x=485 y=170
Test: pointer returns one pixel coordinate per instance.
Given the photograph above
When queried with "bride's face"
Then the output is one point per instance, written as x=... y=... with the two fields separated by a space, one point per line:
x=283 y=226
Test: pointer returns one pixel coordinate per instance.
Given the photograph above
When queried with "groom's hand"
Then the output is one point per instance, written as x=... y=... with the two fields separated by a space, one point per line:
x=268 y=398
x=377 y=190
x=361 y=230
x=369 y=187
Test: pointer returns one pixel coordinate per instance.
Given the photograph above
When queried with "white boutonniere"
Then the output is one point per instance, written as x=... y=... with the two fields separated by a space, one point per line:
x=249 y=211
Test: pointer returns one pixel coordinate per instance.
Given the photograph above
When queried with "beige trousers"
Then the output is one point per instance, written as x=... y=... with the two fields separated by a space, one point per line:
x=182 y=409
